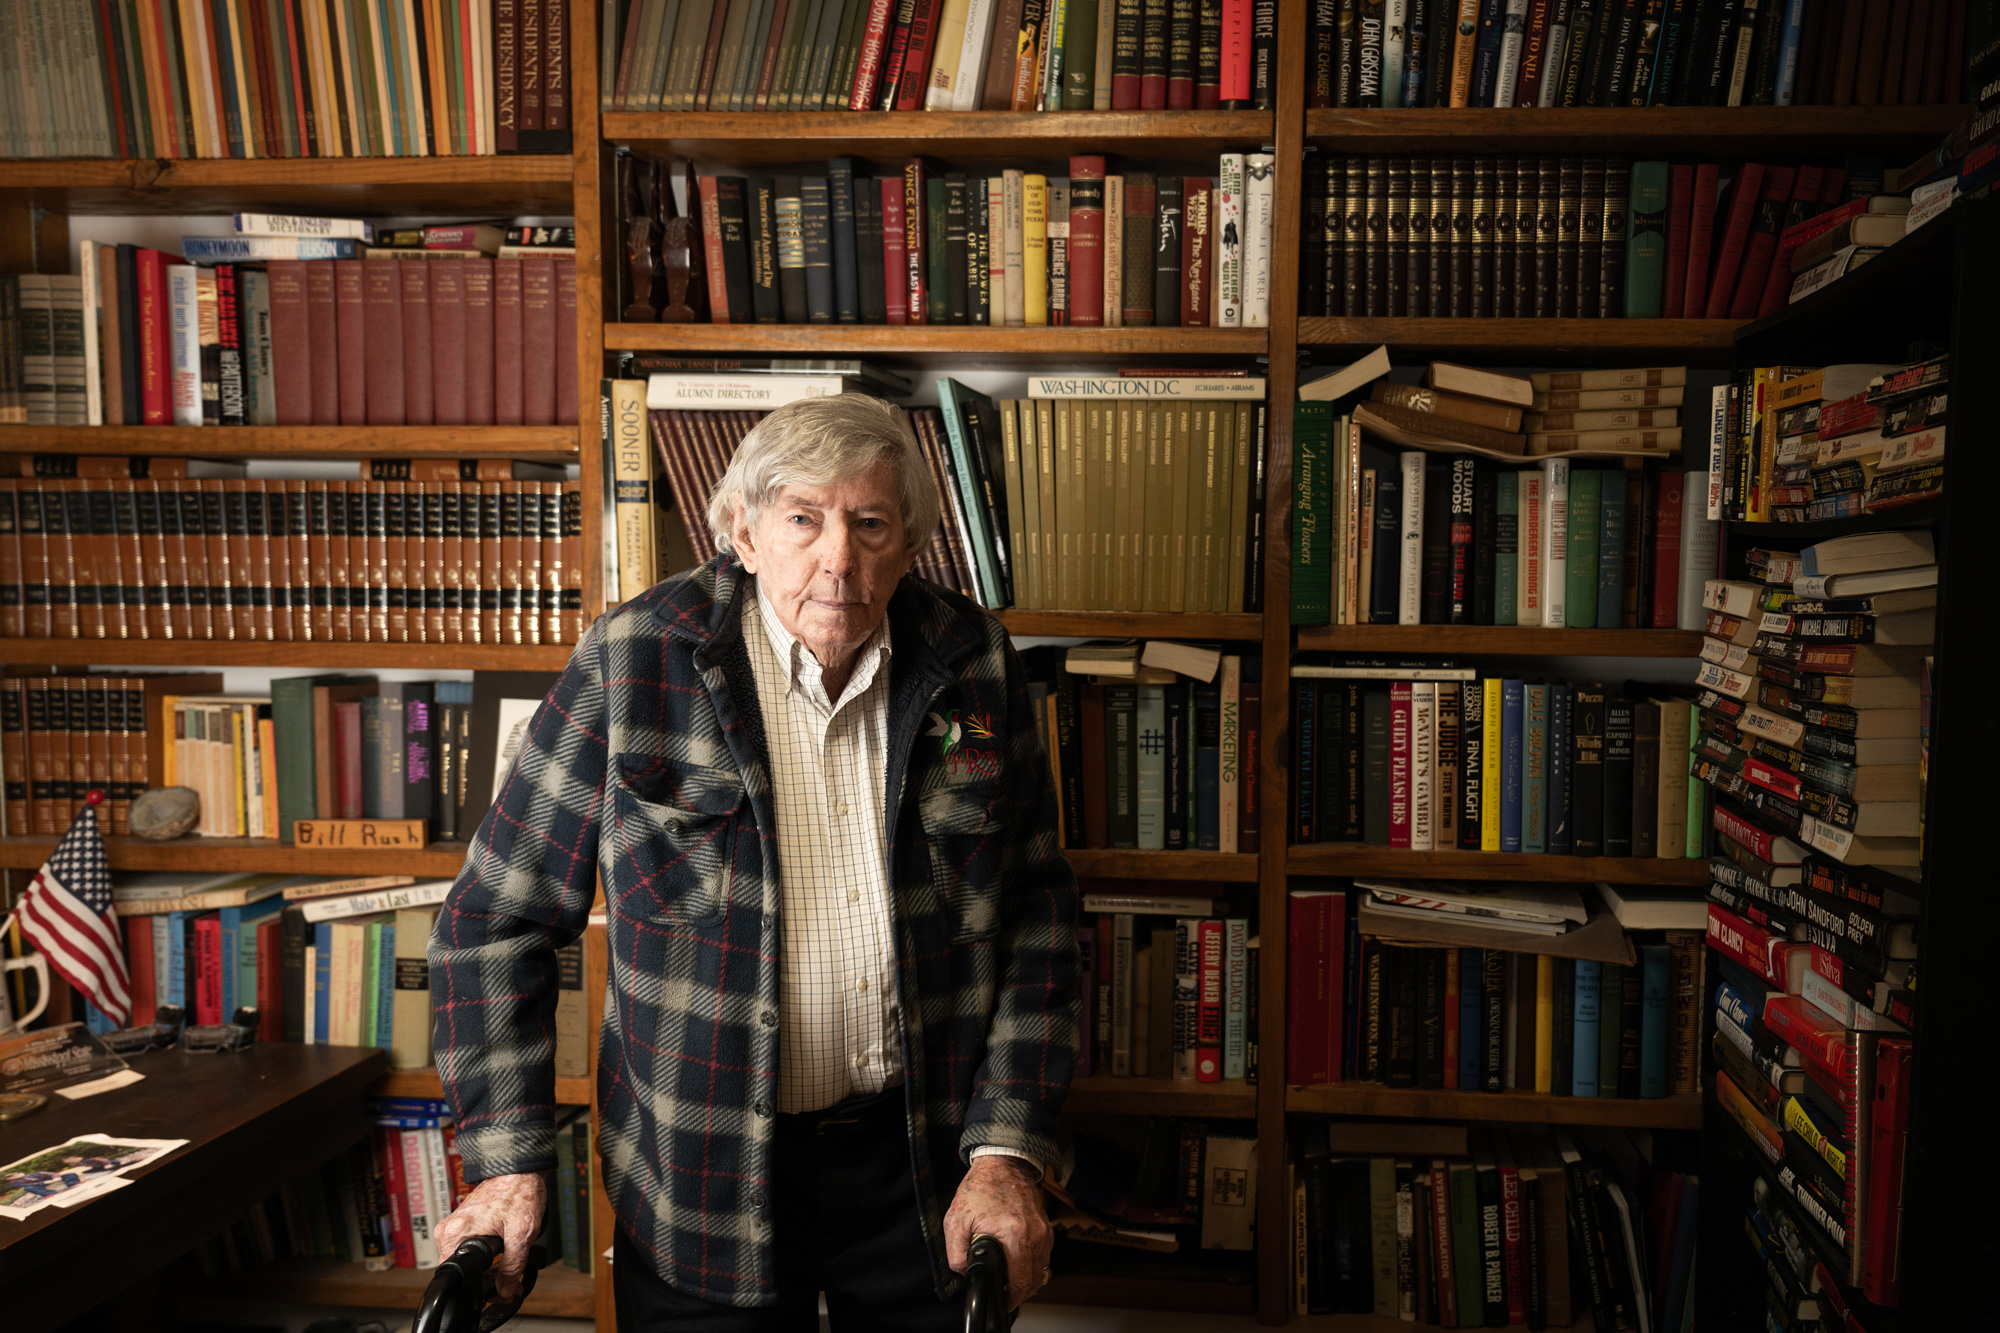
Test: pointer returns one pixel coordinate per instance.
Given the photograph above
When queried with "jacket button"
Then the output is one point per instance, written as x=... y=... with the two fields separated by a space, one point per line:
x=757 y=1200
x=761 y=1107
x=769 y=1018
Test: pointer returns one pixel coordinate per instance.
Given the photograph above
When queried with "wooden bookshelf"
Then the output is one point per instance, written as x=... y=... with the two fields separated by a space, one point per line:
x=1016 y=138
x=937 y=344
x=369 y=186
x=440 y=860
x=1105 y=1094
x=1198 y=1281
x=1542 y=341
x=1534 y=1108
x=560 y=1292
x=1192 y=625
x=256 y=653
x=1372 y=1323
x=540 y=444
x=425 y=1083
x=1680 y=131
x=1360 y=858
x=1508 y=640
x=1124 y=863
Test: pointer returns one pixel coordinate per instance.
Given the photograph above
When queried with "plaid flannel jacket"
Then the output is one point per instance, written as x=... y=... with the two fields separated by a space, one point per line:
x=647 y=765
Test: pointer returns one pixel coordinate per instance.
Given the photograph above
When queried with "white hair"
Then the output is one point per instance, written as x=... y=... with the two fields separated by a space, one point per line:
x=820 y=441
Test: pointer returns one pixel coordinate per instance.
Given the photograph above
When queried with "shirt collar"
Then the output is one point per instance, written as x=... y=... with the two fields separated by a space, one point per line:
x=802 y=669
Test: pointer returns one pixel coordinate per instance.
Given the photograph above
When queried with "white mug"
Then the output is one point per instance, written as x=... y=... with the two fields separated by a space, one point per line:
x=36 y=963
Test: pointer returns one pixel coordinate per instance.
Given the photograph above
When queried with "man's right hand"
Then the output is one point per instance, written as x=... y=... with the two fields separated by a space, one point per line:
x=509 y=1207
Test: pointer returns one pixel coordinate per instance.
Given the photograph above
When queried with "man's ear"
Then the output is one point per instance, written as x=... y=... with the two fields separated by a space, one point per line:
x=741 y=537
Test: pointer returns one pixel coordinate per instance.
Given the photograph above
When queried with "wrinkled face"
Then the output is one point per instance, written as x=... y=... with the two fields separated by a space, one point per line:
x=828 y=558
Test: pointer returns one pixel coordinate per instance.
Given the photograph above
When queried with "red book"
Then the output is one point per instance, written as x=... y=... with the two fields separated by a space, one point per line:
x=1513 y=1234
x=528 y=62
x=1534 y=54
x=1090 y=719
x=347 y=752
x=291 y=343
x=1141 y=199
x=1250 y=808
x=447 y=341
x=1798 y=233
x=1680 y=220
x=1701 y=242
x=1197 y=201
x=418 y=398
x=1208 y=1014
x=1744 y=196
x=1667 y=551
x=538 y=340
x=625 y=60
x=350 y=369
x=1761 y=242
x=565 y=274
x=507 y=392
x=389 y=1152
x=139 y=966
x=895 y=259
x=478 y=344
x=713 y=51
x=208 y=969
x=1235 y=92
x=1804 y=205
x=454 y=1163
x=1086 y=242
x=769 y=70
x=711 y=244
x=896 y=55
x=382 y=309
x=1816 y=1037
x=874 y=39
x=1125 y=88
x=323 y=369
x=1766 y=847
x=1770 y=956
x=1889 y=1127
x=916 y=241
x=270 y=979
x=1316 y=928
x=917 y=60
x=1399 y=764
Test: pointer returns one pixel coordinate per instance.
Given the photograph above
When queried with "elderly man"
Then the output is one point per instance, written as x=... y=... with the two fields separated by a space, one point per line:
x=840 y=932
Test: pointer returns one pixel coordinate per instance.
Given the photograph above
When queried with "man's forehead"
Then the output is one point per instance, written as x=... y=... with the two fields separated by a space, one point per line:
x=856 y=494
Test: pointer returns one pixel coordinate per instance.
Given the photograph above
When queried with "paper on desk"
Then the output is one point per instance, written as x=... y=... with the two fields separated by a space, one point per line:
x=74 y=1166
x=85 y=1195
x=124 y=1078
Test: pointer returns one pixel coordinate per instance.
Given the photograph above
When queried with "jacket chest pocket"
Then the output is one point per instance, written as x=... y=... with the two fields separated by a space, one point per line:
x=962 y=824
x=676 y=835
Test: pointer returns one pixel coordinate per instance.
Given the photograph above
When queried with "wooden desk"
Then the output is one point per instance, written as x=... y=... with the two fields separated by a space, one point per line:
x=252 y=1120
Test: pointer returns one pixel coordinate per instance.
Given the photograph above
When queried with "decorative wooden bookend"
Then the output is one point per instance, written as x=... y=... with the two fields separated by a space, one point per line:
x=640 y=237
x=681 y=254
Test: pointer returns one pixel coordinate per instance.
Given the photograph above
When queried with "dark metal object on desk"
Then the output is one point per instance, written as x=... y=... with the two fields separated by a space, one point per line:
x=163 y=1032
x=238 y=1034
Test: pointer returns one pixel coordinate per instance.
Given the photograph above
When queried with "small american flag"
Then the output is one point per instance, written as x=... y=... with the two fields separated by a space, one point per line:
x=66 y=913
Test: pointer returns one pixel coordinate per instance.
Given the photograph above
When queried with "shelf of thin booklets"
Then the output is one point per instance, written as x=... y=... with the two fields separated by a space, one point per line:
x=1680 y=132
x=1126 y=863
x=544 y=444
x=1373 y=1323
x=288 y=653
x=560 y=1292
x=1105 y=1094
x=1198 y=1281
x=1513 y=640
x=1518 y=341
x=371 y=186
x=752 y=137
x=425 y=1083
x=1361 y=858
x=1133 y=624
x=935 y=343
x=440 y=860
x=1537 y=1108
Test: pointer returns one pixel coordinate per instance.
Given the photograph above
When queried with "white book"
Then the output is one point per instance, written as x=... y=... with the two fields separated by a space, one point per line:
x=1058 y=242
x=1511 y=30
x=1701 y=538
x=67 y=303
x=947 y=46
x=1139 y=387
x=1410 y=567
x=1259 y=172
x=1555 y=541
x=1531 y=510
x=427 y=894
x=1229 y=785
x=1235 y=993
x=737 y=392
x=1228 y=224
x=1013 y=183
x=291 y=224
x=1423 y=748
x=970 y=85
x=183 y=345
x=1395 y=17
x=996 y=250
x=437 y=1168
x=417 y=1193
x=1151 y=721
x=1114 y=252
x=1718 y=445
x=1552 y=59
x=93 y=361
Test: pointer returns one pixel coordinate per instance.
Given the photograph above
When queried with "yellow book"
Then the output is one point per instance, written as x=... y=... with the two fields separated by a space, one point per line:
x=250 y=101
x=1121 y=509
x=239 y=806
x=633 y=480
x=269 y=751
x=1242 y=471
x=1069 y=499
x=1035 y=250
x=947 y=46
x=1179 y=453
x=1545 y=1023
x=1208 y=463
x=1050 y=473
x=1023 y=497
x=1104 y=452
x=1489 y=769
x=170 y=758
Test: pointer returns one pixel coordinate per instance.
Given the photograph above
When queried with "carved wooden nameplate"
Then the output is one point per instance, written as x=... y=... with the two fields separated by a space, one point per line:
x=391 y=835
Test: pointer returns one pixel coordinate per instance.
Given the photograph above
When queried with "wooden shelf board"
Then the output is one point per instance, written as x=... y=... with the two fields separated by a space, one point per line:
x=1521 y=341
x=1372 y=1323
x=1124 y=863
x=981 y=136
x=935 y=344
x=1509 y=639
x=364 y=186
x=425 y=1083
x=1539 y=1108
x=1680 y=131
x=1132 y=624
x=440 y=860
x=546 y=444
x=225 y=652
x=1202 y=1281
x=1359 y=858
x=1106 y=1095
x=560 y=1293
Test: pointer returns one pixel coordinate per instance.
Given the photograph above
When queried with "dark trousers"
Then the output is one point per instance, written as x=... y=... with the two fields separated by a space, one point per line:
x=847 y=1224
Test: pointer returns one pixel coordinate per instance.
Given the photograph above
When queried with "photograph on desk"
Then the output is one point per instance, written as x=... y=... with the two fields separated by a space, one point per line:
x=75 y=1171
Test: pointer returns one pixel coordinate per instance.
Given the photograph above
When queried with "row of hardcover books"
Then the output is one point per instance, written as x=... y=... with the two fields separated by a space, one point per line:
x=1167 y=998
x=1487 y=1019
x=1453 y=761
x=1012 y=249
x=1555 y=53
x=244 y=79
x=426 y=561
x=939 y=55
x=1503 y=1233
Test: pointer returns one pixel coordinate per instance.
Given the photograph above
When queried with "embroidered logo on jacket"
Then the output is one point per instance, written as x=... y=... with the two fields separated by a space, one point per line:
x=955 y=731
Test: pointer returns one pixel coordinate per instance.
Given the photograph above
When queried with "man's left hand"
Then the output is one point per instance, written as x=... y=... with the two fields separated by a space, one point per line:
x=1001 y=1197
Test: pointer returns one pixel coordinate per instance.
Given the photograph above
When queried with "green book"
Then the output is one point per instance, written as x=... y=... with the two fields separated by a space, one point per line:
x=1611 y=525
x=840 y=82
x=1057 y=20
x=1580 y=586
x=954 y=406
x=371 y=980
x=937 y=212
x=1465 y=1244
x=1079 y=61
x=1312 y=533
x=1646 y=240
x=292 y=734
x=1152 y=724
x=1610 y=1007
x=1506 y=547
x=812 y=96
x=1697 y=820
x=800 y=20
